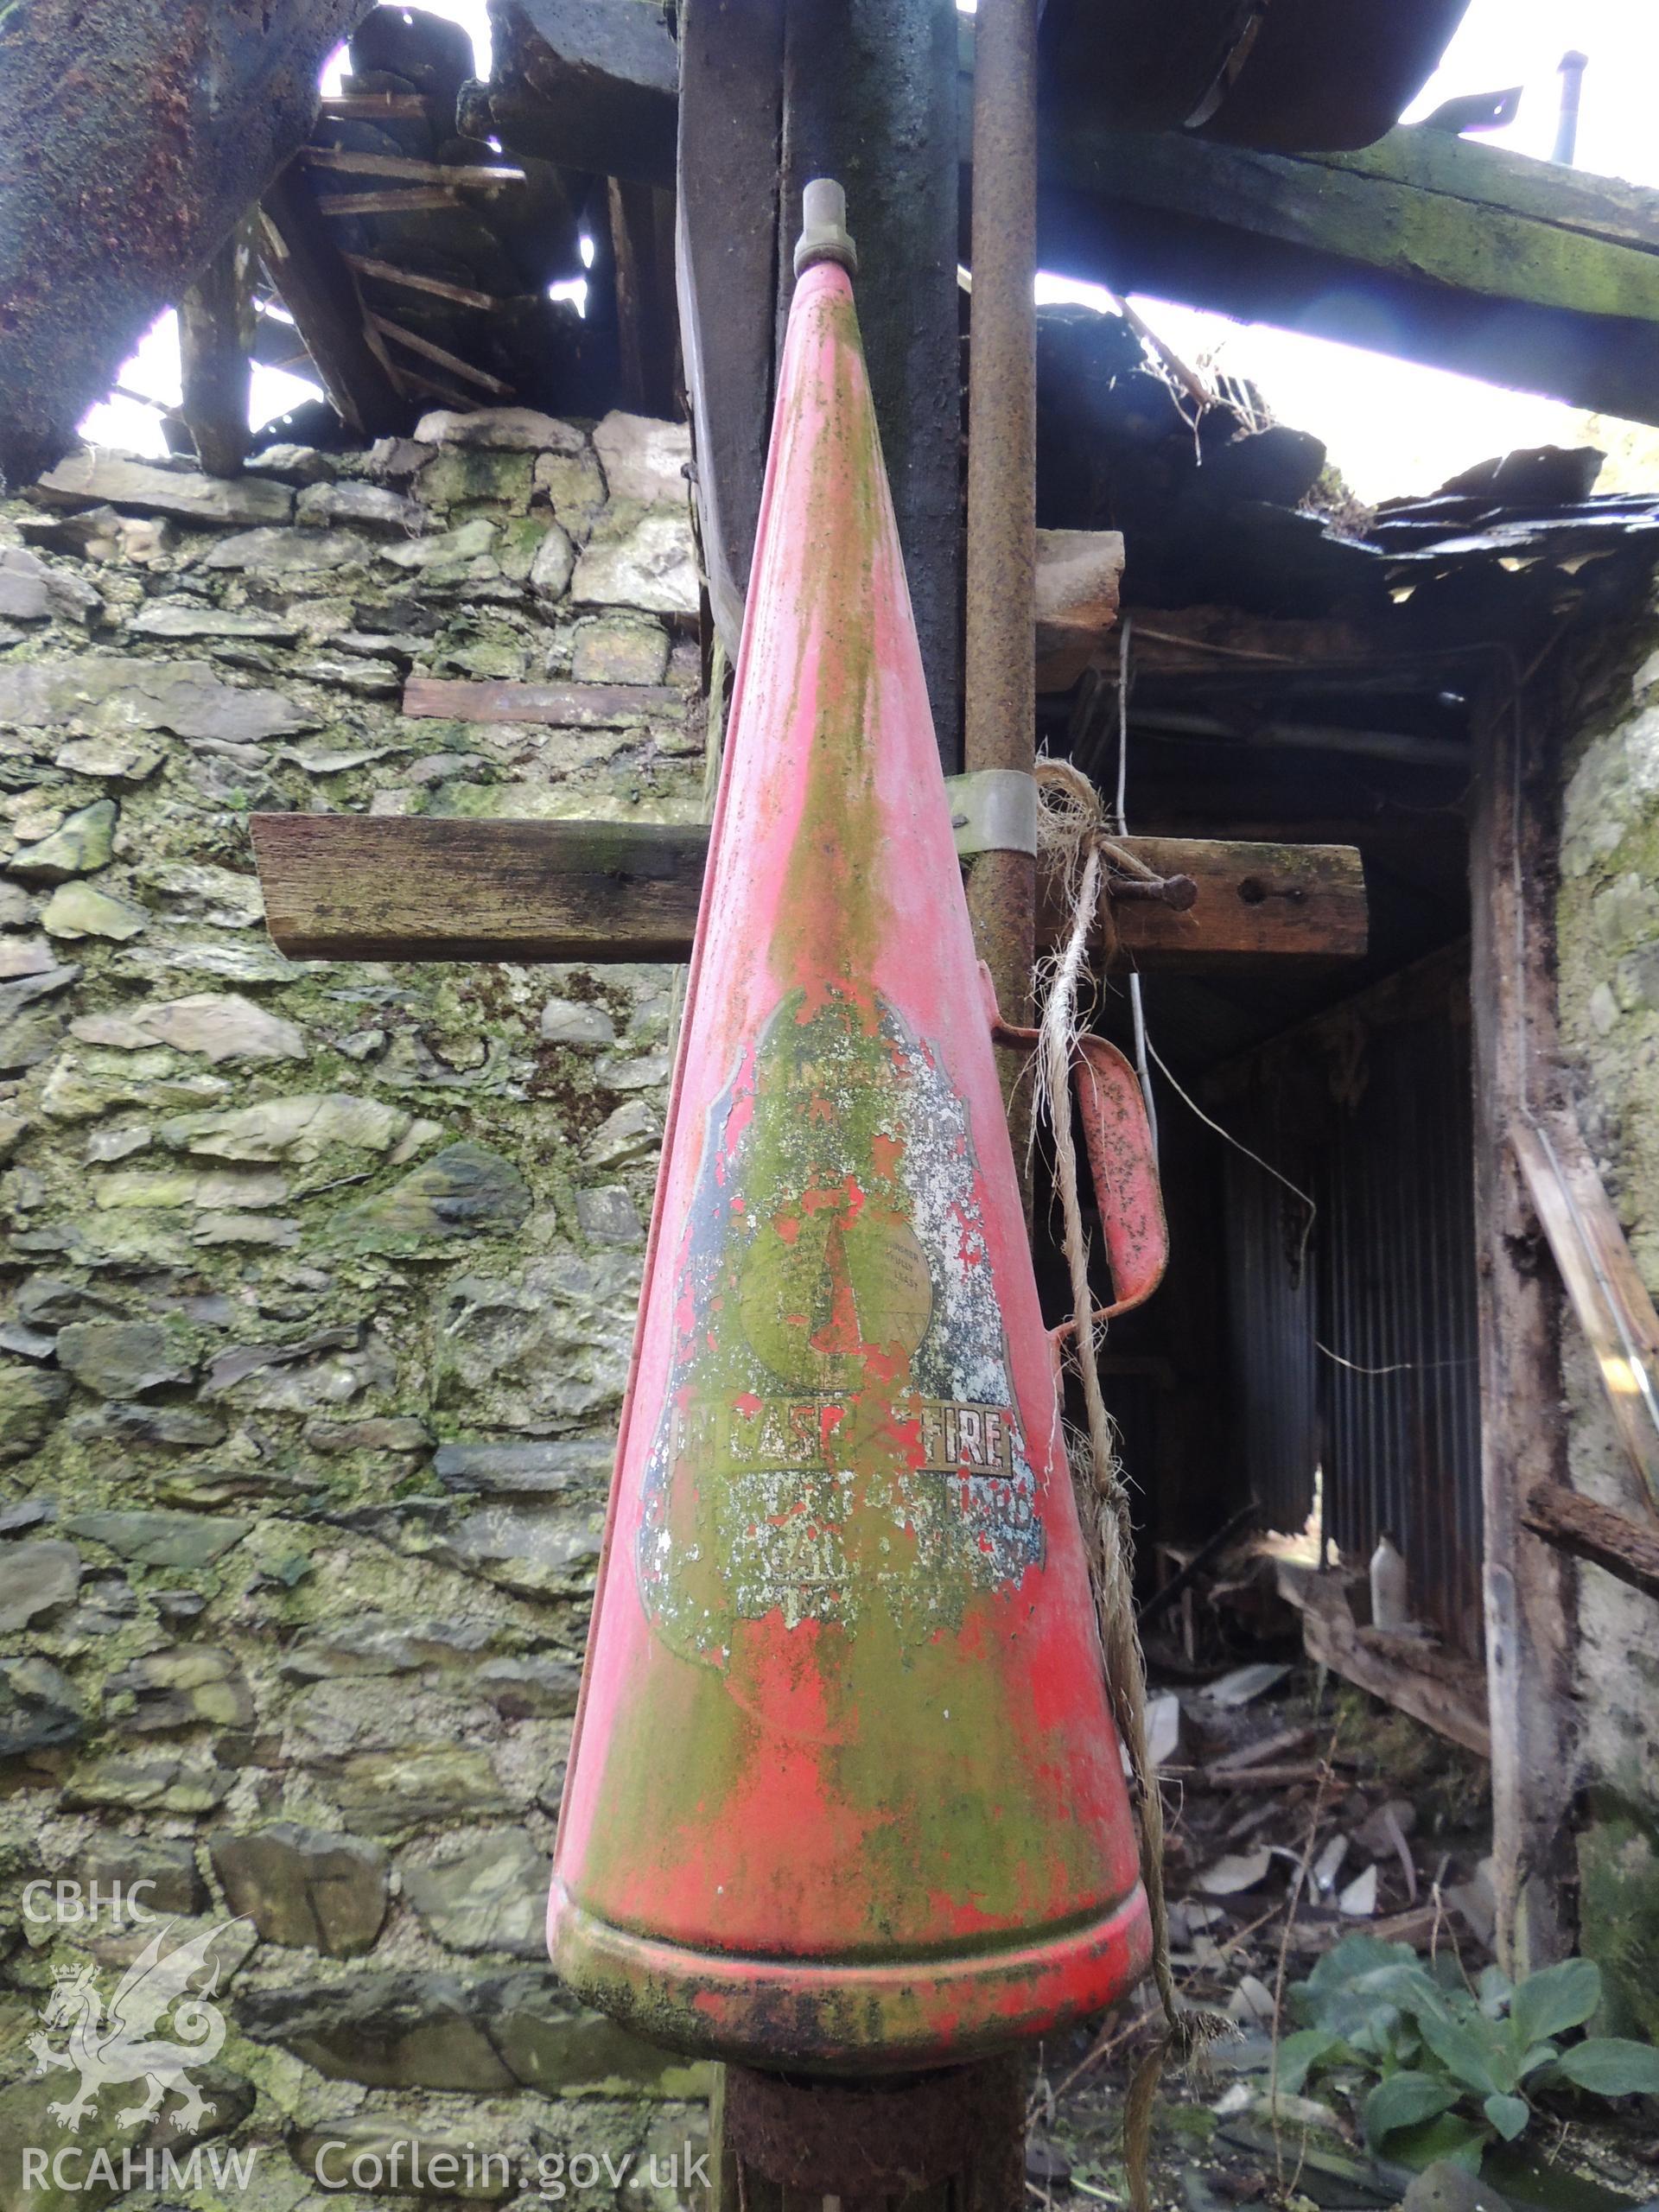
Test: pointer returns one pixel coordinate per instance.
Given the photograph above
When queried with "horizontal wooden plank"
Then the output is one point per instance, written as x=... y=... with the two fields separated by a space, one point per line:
x=347 y=887
x=1459 y=255
x=1255 y=902
x=1416 y=1675
x=462 y=175
x=352 y=887
x=395 y=200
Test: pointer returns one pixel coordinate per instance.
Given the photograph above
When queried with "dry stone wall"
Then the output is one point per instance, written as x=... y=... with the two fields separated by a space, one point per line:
x=1609 y=949
x=319 y=1284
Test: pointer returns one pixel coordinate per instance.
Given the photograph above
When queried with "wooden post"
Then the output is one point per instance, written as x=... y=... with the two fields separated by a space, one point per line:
x=216 y=325
x=869 y=98
x=1001 y=707
x=1529 y=1622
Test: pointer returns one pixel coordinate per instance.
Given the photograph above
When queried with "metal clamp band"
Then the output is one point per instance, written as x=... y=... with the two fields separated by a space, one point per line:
x=994 y=810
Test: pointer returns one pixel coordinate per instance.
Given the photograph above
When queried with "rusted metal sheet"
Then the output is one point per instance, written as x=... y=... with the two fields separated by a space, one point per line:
x=1354 y=1351
x=845 y=1793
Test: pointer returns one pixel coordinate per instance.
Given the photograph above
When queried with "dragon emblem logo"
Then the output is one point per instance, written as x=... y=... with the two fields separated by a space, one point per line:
x=121 y=2045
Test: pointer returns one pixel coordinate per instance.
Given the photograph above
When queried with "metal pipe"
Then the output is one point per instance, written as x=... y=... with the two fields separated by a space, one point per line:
x=1572 y=65
x=1000 y=671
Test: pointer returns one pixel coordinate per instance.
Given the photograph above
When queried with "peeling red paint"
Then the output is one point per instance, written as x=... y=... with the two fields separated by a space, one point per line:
x=845 y=1791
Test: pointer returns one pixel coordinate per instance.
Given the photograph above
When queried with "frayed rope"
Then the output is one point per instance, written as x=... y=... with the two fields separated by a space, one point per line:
x=1071 y=829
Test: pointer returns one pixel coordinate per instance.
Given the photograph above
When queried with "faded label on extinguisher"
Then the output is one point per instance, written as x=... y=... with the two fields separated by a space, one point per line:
x=838 y=1432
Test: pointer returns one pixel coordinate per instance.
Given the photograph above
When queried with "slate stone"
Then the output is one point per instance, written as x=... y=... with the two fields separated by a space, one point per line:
x=92 y=476
x=81 y=910
x=181 y=1687
x=305 y=1888
x=461 y=476
x=620 y=652
x=26 y=1513
x=223 y=1027
x=83 y=843
x=34 y=1578
x=186 y=1539
x=279 y=552
x=632 y=1134
x=513 y=429
x=494 y=1898
x=146 y=1784
x=294 y=464
x=114 y=691
x=122 y=1359
x=553 y=564
x=31 y=591
x=368 y=507
x=464 y=1191
x=181 y=618
x=412 y=2030
x=534 y=1551
x=396 y=1794
x=377 y=1644
x=168 y=1867
x=651 y=565
x=30 y=1399
x=529 y=1468
x=552 y=2044
x=531 y=1689
x=548 y=1345
x=402 y=1433
x=609 y=1216
x=115 y=759
x=300 y=1129
x=643 y=458
x=570 y=1021
x=174 y=1428
x=40 y=1709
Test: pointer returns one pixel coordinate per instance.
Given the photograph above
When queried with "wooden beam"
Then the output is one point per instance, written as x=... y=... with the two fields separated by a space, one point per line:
x=410 y=280
x=395 y=200
x=135 y=133
x=353 y=886
x=320 y=292
x=730 y=136
x=1609 y=1296
x=216 y=335
x=870 y=99
x=458 y=176
x=429 y=350
x=1433 y=1683
x=642 y=250
x=1444 y=251
x=599 y=91
x=378 y=107
x=1530 y=1627
x=1584 y=1530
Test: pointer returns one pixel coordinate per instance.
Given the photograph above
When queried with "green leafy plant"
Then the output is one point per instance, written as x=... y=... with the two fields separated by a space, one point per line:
x=1452 y=2067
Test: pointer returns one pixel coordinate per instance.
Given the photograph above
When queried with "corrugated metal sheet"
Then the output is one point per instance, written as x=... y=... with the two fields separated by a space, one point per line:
x=1369 y=1367
x=1271 y=1300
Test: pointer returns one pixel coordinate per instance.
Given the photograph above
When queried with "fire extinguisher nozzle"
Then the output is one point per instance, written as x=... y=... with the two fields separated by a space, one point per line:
x=825 y=235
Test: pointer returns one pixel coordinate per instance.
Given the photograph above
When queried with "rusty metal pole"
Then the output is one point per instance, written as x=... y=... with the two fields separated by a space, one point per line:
x=1000 y=668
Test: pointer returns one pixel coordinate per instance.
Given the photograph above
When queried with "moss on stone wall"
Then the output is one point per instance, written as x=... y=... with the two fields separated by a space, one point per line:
x=1608 y=923
x=318 y=1281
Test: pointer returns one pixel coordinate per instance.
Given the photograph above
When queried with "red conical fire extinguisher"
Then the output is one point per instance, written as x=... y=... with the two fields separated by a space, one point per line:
x=844 y=1793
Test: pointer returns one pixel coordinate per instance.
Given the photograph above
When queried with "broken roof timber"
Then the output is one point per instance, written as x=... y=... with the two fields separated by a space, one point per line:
x=1442 y=250
x=1445 y=250
x=134 y=135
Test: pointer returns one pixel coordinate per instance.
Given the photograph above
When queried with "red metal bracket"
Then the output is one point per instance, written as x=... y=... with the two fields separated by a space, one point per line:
x=1122 y=1162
